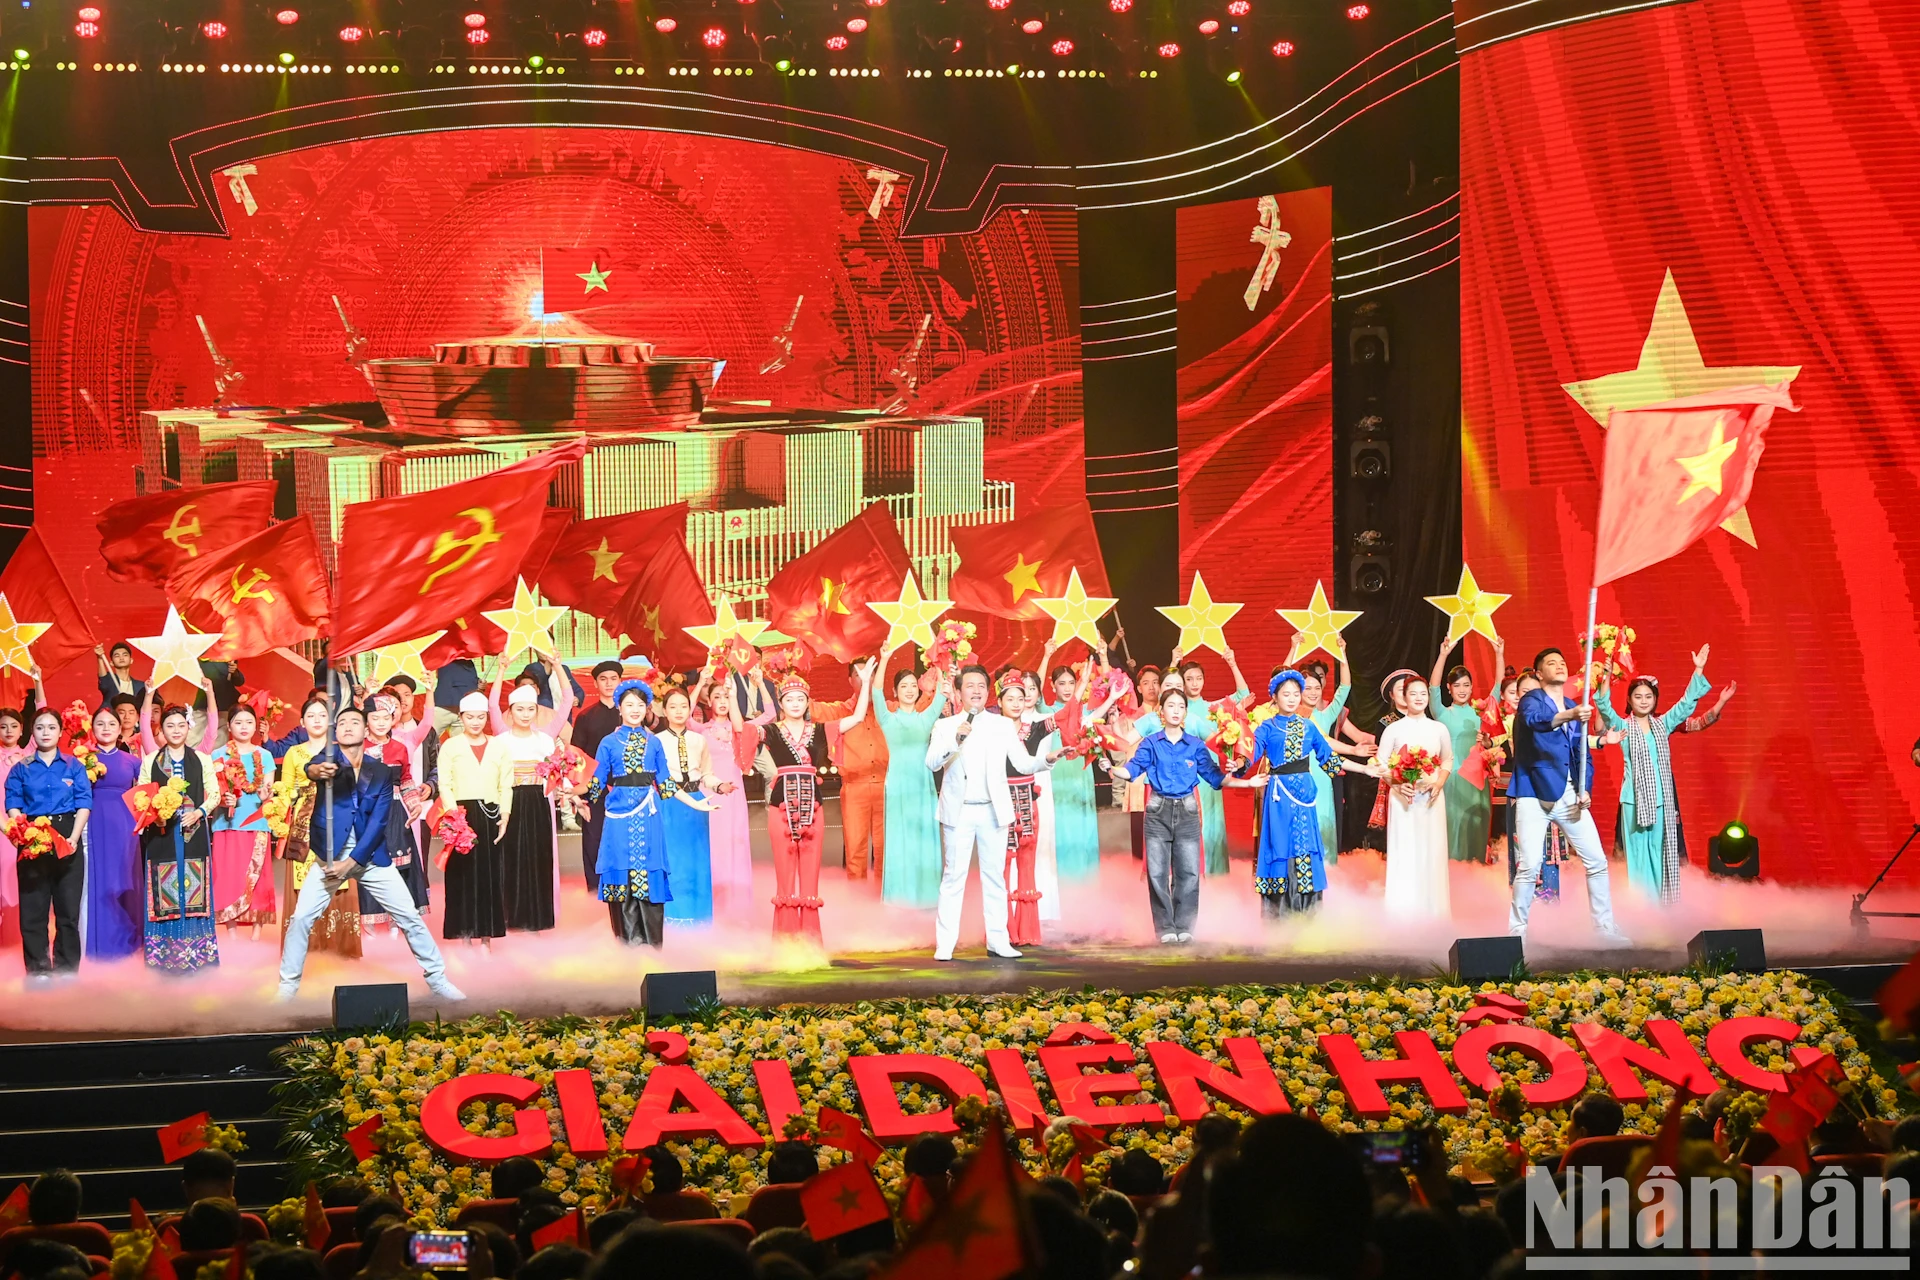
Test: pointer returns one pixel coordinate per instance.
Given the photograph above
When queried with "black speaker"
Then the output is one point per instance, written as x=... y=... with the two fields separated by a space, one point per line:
x=1367 y=346
x=1734 y=858
x=1370 y=459
x=1485 y=959
x=370 y=1004
x=1370 y=575
x=672 y=993
x=1746 y=948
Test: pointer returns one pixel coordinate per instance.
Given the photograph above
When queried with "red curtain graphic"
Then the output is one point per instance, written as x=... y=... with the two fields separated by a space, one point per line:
x=1714 y=141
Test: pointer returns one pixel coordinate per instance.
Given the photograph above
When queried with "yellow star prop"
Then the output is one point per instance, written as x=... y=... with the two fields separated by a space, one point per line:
x=909 y=619
x=402 y=659
x=15 y=636
x=1317 y=626
x=595 y=278
x=526 y=622
x=603 y=562
x=1703 y=469
x=1024 y=577
x=1671 y=368
x=1469 y=608
x=1202 y=620
x=175 y=651
x=727 y=625
x=1075 y=613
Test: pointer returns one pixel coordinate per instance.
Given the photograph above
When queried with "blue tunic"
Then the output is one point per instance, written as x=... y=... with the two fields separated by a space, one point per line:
x=633 y=852
x=1292 y=858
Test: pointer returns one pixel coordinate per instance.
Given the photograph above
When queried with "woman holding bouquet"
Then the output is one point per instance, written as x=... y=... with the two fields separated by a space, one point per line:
x=116 y=915
x=1649 y=831
x=1416 y=756
x=731 y=746
x=911 y=875
x=532 y=872
x=1469 y=804
x=1201 y=723
x=1076 y=827
x=687 y=832
x=476 y=782
x=1290 y=872
x=242 y=846
x=338 y=928
x=178 y=852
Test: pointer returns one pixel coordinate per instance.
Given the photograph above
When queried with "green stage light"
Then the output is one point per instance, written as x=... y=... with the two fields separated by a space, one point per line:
x=536 y=61
x=21 y=54
x=286 y=59
x=1014 y=70
x=783 y=65
x=1233 y=77
x=1735 y=831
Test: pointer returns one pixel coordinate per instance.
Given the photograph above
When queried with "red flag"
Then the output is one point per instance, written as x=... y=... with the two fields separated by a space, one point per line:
x=571 y=1229
x=183 y=1137
x=665 y=599
x=36 y=592
x=1086 y=1140
x=1674 y=471
x=159 y=1262
x=979 y=1232
x=316 y=1221
x=471 y=635
x=1666 y=1143
x=412 y=565
x=595 y=561
x=237 y=1261
x=838 y=1129
x=13 y=1213
x=137 y=1216
x=1076 y=1171
x=261 y=593
x=361 y=1140
x=821 y=598
x=1005 y=567
x=629 y=1176
x=919 y=1202
x=839 y=1199
x=1899 y=996
x=146 y=539
x=1790 y=1125
x=577 y=279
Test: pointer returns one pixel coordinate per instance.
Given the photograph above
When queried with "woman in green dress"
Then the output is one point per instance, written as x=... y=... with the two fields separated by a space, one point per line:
x=1469 y=804
x=1325 y=715
x=910 y=877
x=1649 y=831
x=1201 y=724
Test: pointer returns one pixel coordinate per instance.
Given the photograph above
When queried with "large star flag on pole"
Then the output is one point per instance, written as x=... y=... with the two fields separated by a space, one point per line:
x=15 y=636
x=175 y=651
x=909 y=618
x=1202 y=619
x=1076 y=613
x=1318 y=626
x=1469 y=609
x=526 y=622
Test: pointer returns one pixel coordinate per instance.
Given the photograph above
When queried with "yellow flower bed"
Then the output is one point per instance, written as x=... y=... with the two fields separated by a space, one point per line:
x=339 y=1082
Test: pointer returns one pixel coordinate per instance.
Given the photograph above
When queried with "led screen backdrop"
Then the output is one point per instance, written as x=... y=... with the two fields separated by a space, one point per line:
x=1730 y=145
x=784 y=268
x=1254 y=290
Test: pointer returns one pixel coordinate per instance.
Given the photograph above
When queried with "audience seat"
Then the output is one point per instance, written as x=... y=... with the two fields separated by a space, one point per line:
x=775 y=1206
x=680 y=1206
x=504 y=1214
x=1611 y=1154
x=1864 y=1164
x=740 y=1231
x=342 y=1261
x=87 y=1237
x=340 y=1223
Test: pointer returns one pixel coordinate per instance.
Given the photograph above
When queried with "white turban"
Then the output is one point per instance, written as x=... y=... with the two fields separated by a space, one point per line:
x=524 y=696
x=475 y=701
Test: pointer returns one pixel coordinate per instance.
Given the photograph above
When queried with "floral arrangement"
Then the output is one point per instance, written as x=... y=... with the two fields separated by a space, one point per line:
x=1612 y=650
x=455 y=832
x=1232 y=734
x=88 y=754
x=153 y=802
x=234 y=782
x=1409 y=764
x=75 y=722
x=277 y=807
x=568 y=767
x=952 y=646
x=131 y=1251
x=36 y=838
x=339 y=1081
x=267 y=709
x=227 y=1138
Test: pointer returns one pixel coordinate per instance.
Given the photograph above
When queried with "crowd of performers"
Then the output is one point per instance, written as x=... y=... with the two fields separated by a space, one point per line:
x=325 y=832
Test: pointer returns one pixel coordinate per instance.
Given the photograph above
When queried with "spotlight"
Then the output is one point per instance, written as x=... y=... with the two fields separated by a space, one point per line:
x=22 y=54
x=88 y=14
x=475 y=19
x=86 y=30
x=856 y=25
x=1358 y=11
x=351 y=34
x=1033 y=26
x=1169 y=50
x=287 y=17
x=286 y=59
x=1233 y=77
x=836 y=43
x=1013 y=71
x=1239 y=8
x=713 y=37
x=1208 y=27
x=1283 y=49
x=1370 y=455
x=1370 y=571
x=783 y=66
x=1119 y=6
x=213 y=30
x=477 y=36
x=664 y=26
x=1734 y=853
x=1062 y=48
x=593 y=37
x=998 y=4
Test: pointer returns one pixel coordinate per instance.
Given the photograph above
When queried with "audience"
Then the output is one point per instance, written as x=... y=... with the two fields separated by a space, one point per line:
x=1595 y=1116
x=209 y=1225
x=207 y=1174
x=53 y=1199
x=792 y=1162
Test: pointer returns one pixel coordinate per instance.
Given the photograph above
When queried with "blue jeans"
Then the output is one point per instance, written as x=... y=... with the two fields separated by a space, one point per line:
x=1173 y=861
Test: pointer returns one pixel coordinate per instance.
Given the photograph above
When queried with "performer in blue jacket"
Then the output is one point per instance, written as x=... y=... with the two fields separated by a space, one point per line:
x=1291 y=871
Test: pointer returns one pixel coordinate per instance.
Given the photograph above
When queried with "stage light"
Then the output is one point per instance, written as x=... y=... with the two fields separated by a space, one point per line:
x=1233 y=77
x=88 y=14
x=286 y=59
x=86 y=30
x=1357 y=11
x=836 y=42
x=1169 y=50
x=664 y=26
x=1239 y=8
x=287 y=17
x=856 y=25
x=536 y=62
x=1033 y=26
x=351 y=35
x=1734 y=853
x=22 y=54
x=999 y=4
x=713 y=37
x=1062 y=48
x=1208 y=27
x=1013 y=71
x=477 y=36
x=475 y=19
x=1283 y=49
x=1734 y=831
x=213 y=30
x=593 y=37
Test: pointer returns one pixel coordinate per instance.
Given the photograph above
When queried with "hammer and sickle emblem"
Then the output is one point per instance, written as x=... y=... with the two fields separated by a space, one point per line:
x=468 y=547
x=181 y=532
x=245 y=590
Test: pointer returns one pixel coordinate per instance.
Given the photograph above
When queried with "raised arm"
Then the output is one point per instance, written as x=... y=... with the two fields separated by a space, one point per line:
x=562 y=691
x=859 y=712
x=211 y=737
x=1439 y=668
x=1697 y=688
x=1603 y=699
x=1240 y=690
x=496 y=723
x=147 y=745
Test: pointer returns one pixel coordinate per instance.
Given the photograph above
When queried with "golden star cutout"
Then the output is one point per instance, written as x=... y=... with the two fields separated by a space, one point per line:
x=1024 y=577
x=402 y=659
x=175 y=651
x=603 y=562
x=1671 y=368
x=15 y=636
x=1075 y=613
x=1202 y=620
x=526 y=622
x=1703 y=469
x=1469 y=608
x=727 y=625
x=1317 y=626
x=909 y=619
x=833 y=596
x=595 y=278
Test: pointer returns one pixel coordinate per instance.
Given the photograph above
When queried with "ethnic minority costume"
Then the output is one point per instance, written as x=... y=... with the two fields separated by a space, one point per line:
x=1023 y=895
x=478 y=778
x=1290 y=869
x=242 y=845
x=730 y=753
x=793 y=765
x=635 y=881
x=338 y=929
x=1469 y=805
x=529 y=866
x=179 y=867
x=685 y=829
x=1649 y=833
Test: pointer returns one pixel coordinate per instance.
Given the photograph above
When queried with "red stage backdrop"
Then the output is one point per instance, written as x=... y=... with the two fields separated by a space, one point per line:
x=1766 y=153
x=1256 y=409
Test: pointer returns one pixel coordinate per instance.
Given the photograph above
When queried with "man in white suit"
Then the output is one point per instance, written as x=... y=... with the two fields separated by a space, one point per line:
x=975 y=747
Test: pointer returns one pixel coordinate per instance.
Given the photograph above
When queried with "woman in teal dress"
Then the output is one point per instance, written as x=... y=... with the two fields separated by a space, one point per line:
x=1469 y=804
x=910 y=877
x=1649 y=831
x=1200 y=723
x=1076 y=827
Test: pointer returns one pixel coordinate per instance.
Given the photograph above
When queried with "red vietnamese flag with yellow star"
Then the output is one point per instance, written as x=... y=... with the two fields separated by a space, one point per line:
x=821 y=597
x=260 y=594
x=1006 y=567
x=37 y=591
x=145 y=539
x=666 y=598
x=1675 y=470
x=576 y=279
x=595 y=561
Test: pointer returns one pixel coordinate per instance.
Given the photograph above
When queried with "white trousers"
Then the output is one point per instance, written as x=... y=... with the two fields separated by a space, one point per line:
x=1530 y=821
x=976 y=832
x=387 y=889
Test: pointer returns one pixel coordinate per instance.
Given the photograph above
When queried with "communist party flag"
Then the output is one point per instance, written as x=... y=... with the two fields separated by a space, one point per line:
x=575 y=279
x=1675 y=470
x=471 y=635
x=821 y=598
x=145 y=539
x=261 y=593
x=37 y=592
x=979 y=1232
x=666 y=598
x=1005 y=567
x=595 y=561
x=413 y=565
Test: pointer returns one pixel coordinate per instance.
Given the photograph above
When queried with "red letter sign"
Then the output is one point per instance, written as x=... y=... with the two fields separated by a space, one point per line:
x=1009 y=1070
x=1472 y=1049
x=1079 y=1095
x=440 y=1118
x=1727 y=1045
x=1184 y=1074
x=1672 y=1058
x=580 y=1113
x=778 y=1097
x=874 y=1075
x=1419 y=1063
x=654 y=1116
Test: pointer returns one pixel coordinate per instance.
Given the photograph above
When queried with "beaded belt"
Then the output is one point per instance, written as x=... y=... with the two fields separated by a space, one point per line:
x=798 y=796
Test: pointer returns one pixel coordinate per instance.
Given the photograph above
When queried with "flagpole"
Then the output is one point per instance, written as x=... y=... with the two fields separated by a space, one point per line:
x=1586 y=686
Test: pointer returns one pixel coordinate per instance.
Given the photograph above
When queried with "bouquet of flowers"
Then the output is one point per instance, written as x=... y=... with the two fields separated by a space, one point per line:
x=88 y=755
x=455 y=832
x=568 y=767
x=227 y=1138
x=1233 y=733
x=74 y=724
x=1408 y=765
x=36 y=838
x=234 y=782
x=153 y=802
x=1612 y=650
x=267 y=709
x=952 y=646
x=277 y=808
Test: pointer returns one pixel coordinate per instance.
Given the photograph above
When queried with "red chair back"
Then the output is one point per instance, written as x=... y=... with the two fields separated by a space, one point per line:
x=681 y=1206
x=1611 y=1154
x=504 y=1214
x=342 y=1261
x=740 y=1231
x=775 y=1206
x=252 y=1228
x=340 y=1223
x=87 y=1237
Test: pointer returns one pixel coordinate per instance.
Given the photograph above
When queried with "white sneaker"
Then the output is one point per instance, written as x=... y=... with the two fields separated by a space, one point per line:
x=445 y=990
x=1183 y=936
x=1009 y=954
x=1169 y=938
x=287 y=991
x=1614 y=938
x=943 y=958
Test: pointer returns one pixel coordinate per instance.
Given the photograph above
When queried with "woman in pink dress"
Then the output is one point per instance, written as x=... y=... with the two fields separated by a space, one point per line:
x=733 y=743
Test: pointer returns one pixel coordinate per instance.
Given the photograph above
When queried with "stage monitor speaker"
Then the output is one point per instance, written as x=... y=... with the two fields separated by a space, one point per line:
x=1746 y=948
x=671 y=993
x=1485 y=959
x=1734 y=857
x=370 y=1004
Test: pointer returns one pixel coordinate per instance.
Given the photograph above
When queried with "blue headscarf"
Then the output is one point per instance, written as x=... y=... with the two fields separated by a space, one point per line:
x=626 y=687
x=1273 y=686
